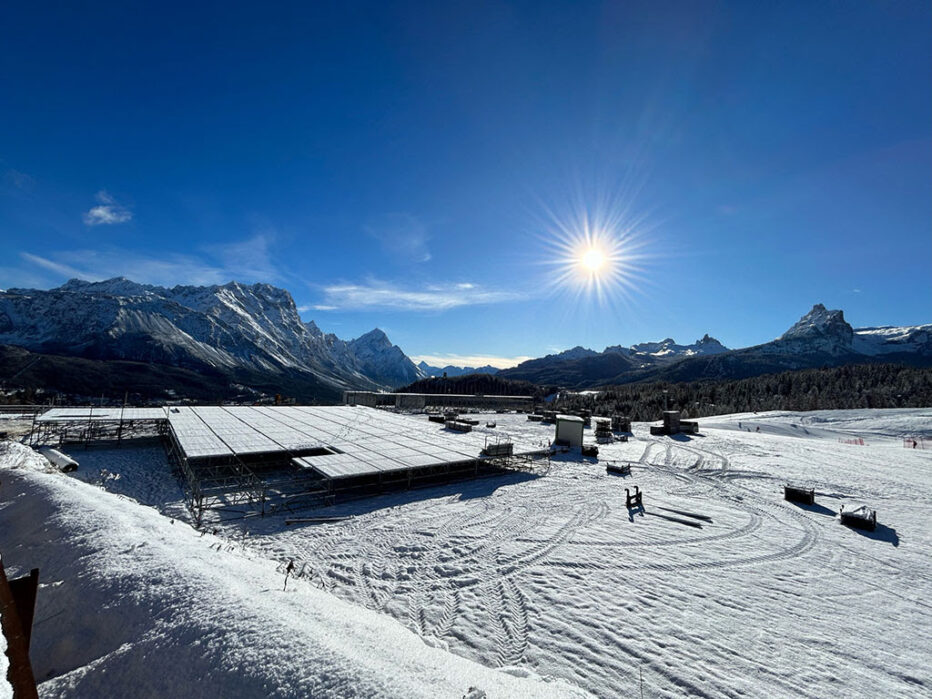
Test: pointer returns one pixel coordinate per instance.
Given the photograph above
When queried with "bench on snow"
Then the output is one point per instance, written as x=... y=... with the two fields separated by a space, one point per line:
x=795 y=493
x=621 y=469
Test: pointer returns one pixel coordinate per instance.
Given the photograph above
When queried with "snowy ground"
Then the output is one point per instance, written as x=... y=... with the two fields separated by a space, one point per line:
x=552 y=574
x=135 y=604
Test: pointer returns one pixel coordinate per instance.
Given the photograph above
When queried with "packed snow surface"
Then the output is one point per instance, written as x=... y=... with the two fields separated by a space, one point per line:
x=136 y=604
x=718 y=588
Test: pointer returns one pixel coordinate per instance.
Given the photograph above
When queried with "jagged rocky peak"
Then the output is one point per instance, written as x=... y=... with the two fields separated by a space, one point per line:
x=654 y=347
x=821 y=324
x=709 y=345
x=118 y=286
x=577 y=352
x=381 y=360
x=375 y=338
x=668 y=348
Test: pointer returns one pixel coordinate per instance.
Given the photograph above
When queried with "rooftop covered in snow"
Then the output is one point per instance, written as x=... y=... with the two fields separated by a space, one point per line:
x=336 y=441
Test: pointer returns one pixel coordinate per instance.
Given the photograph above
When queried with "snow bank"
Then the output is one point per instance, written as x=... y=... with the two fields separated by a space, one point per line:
x=136 y=604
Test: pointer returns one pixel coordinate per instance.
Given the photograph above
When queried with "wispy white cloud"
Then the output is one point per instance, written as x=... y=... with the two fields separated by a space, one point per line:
x=107 y=212
x=246 y=261
x=402 y=236
x=61 y=268
x=470 y=360
x=16 y=180
x=249 y=259
x=375 y=294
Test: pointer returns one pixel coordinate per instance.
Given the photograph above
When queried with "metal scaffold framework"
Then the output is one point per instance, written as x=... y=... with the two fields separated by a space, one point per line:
x=244 y=461
x=60 y=426
x=241 y=461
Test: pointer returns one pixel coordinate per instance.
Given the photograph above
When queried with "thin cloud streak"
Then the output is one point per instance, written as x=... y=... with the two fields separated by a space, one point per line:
x=402 y=236
x=469 y=360
x=376 y=294
x=14 y=179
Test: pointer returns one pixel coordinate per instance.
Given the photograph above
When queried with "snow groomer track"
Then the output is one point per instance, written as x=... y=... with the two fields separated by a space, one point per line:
x=719 y=587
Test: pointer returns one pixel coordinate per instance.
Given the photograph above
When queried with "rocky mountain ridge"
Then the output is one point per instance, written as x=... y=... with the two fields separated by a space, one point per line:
x=820 y=338
x=228 y=328
x=451 y=371
x=253 y=335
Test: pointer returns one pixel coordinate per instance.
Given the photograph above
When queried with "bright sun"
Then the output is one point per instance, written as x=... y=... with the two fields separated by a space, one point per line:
x=593 y=260
x=596 y=254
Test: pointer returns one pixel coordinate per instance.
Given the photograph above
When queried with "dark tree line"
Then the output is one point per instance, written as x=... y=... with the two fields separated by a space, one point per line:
x=846 y=387
x=486 y=384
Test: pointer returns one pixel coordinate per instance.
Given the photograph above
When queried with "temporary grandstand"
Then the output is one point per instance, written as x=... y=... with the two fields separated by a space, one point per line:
x=251 y=460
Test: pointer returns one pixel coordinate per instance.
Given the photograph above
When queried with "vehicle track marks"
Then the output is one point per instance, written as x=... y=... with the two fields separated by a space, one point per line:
x=510 y=610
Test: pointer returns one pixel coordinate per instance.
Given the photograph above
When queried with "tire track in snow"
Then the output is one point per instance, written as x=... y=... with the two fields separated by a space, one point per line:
x=510 y=611
x=586 y=515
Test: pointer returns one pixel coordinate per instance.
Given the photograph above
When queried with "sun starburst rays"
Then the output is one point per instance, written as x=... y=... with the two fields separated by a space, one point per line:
x=597 y=256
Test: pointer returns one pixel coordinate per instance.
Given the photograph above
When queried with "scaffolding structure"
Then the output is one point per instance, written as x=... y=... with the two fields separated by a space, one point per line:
x=333 y=491
x=243 y=461
x=61 y=426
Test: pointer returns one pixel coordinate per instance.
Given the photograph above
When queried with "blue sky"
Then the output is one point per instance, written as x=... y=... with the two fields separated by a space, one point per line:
x=420 y=167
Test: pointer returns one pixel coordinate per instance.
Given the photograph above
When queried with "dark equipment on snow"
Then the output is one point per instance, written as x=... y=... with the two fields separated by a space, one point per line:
x=861 y=518
x=795 y=493
x=620 y=469
x=634 y=501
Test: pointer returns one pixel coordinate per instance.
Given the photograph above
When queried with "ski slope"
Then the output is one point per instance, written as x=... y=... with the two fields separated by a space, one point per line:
x=549 y=574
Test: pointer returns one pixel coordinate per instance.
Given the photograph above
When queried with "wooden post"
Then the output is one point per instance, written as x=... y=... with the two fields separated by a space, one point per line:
x=288 y=571
x=17 y=635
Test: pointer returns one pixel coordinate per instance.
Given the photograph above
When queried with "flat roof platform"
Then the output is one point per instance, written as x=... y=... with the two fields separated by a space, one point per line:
x=259 y=457
x=101 y=414
x=343 y=441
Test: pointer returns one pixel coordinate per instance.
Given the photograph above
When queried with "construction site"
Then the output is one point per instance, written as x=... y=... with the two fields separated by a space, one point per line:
x=257 y=460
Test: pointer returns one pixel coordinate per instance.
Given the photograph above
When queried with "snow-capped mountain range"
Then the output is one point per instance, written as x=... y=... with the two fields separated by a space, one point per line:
x=252 y=335
x=225 y=328
x=822 y=337
x=451 y=371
